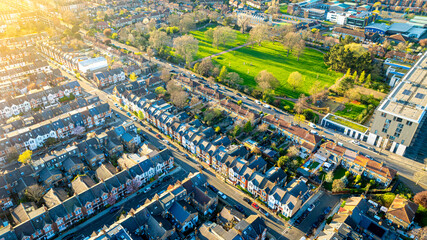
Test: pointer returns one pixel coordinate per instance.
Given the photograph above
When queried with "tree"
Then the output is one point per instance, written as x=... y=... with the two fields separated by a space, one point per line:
x=354 y=77
x=133 y=77
x=187 y=23
x=289 y=41
x=353 y=94
x=362 y=77
x=205 y=67
x=293 y=151
x=186 y=46
x=140 y=115
x=239 y=102
x=358 y=178
x=421 y=198
x=217 y=129
x=165 y=76
x=283 y=160
x=294 y=80
x=160 y=91
x=78 y=130
x=314 y=90
x=234 y=78
x=13 y=155
x=25 y=156
x=179 y=98
x=259 y=33
x=299 y=118
x=419 y=175
x=345 y=84
x=158 y=39
x=35 y=193
x=248 y=127
x=299 y=49
x=266 y=80
x=222 y=36
x=338 y=185
x=223 y=74
x=329 y=177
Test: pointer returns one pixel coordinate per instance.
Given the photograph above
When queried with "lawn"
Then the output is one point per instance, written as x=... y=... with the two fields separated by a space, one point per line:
x=284 y=8
x=347 y=123
x=249 y=61
x=338 y=173
x=313 y=165
x=205 y=45
x=351 y=111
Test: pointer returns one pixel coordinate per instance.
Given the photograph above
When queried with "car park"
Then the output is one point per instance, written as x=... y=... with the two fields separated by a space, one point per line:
x=254 y=205
x=247 y=200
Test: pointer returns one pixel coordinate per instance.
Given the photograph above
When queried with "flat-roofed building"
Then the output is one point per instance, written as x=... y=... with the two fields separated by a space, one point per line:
x=399 y=118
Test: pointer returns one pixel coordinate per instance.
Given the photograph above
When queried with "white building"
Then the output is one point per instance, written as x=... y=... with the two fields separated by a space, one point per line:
x=92 y=64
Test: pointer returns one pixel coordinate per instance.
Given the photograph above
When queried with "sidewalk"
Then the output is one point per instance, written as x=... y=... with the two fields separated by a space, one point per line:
x=105 y=211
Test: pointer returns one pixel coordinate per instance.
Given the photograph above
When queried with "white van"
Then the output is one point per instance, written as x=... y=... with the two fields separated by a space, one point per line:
x=257 y=102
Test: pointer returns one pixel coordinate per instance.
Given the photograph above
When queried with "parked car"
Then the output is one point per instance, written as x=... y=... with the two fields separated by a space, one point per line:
x=247 y=200
x=263 y=212
x=222 y=195
x=257 y=102
x=128 y=114
x=313 y=132
x=117 y=115
x=327 y=210
x=134 y=118
x=159 y=136
x=200 y=166
x=355 y=142
x=239 y=208
x=146 y=189
x=254 y=205
x=213 y=188
x=121 y=108
x=238 y=94
x=312 y=125
x=114 y=209
x=311 y=207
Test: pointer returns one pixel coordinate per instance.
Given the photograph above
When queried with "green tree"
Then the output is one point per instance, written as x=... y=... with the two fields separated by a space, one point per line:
x=348 y=74
x=217 y=129
x=223 y=73
x=294 y=80
x=140 y=115
x=362 y=77
x=25 y=156
x=354 y=77
x=239 y=102
x=133 y=77
x=283 y=160
x=160 y=91
x=358 y=178
x=345 y=84
x=114 y=35
x=299 y=118
x=237 y=130
x=248 y=127
x=368 y=79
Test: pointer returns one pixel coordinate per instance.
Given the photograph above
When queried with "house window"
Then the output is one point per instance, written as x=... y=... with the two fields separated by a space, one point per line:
x=408 y=123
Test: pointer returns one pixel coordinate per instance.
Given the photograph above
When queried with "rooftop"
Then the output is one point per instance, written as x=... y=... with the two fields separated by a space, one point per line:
x=346 y=123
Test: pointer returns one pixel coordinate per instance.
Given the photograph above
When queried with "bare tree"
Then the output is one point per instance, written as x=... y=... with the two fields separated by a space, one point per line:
x=262 y=127
x=314 y=90
x=266 y=80
x=259 y=33
x=165 y=76
x=158 y=39
x=179 y=98
x=186 y=46
x=299 y=49
x=205 y=67
x=299 y=105
x=289 y=41
x=223 y=36
x=35 y=192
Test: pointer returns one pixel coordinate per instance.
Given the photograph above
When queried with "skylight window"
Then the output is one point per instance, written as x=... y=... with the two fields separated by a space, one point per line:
x=406 y=92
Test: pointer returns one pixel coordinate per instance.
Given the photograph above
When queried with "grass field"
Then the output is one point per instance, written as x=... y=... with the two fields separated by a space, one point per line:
x=351 y=111
x=248 y=62
x=205 y=45
x=284 y=8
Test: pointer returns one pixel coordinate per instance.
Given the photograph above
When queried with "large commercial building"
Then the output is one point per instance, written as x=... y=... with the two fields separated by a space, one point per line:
x=398 y=122
x=93 y=64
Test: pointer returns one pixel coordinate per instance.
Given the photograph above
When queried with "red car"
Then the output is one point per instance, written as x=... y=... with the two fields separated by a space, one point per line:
x=254 y=205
